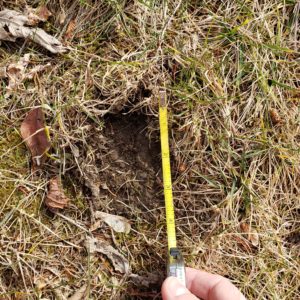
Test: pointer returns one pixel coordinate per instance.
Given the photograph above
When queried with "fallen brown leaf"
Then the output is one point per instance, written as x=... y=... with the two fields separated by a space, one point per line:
x=56 y=198
x=275 y=117
x=13 y=26
x=16 y=72
x=91 y=177
x=182 y=168
x=35 y=137
x=251 y=233
x=44 y=13
x=244 y=227
x=244 y=244
x=36 y=15
x=70 y=30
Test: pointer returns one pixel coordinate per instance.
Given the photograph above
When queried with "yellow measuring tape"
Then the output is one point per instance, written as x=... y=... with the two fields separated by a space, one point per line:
x=175 y=265
x=166 y=166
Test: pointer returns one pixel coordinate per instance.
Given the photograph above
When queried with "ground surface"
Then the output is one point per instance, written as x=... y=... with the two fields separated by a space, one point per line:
x=231 y=72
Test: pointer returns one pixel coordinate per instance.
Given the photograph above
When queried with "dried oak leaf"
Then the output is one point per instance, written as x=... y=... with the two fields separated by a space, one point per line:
x=56 y=198
x=13 y=26
x=34 y=135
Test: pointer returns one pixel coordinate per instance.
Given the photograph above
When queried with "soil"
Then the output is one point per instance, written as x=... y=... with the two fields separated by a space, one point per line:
x=133 y=162
x=126 y=168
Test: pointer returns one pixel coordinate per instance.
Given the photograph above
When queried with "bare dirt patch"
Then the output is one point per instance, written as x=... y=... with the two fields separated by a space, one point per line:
x=128 y=160
x=135 y=158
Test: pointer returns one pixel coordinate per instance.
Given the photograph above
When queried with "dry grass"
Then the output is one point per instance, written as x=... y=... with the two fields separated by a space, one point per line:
x=231 y=71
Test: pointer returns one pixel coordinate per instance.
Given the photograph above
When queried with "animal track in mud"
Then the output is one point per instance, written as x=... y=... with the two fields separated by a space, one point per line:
x=131 y=167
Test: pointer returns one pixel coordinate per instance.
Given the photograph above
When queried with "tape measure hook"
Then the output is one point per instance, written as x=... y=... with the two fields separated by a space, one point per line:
x=176 y=265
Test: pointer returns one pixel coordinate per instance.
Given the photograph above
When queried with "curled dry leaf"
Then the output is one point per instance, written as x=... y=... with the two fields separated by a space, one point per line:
x=275 y=117
x=56 y=198
x=70 y=30
x=34 y=135
x=251 y=234
x=182 y=168
x=13 y=26
x=43 y=13
x=244 y=244
x=117 y=223
x=18 y=72
x=119 y=262
x=36 y=15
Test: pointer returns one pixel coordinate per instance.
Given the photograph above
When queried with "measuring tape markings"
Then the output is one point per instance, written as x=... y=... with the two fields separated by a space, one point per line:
x=165 y=153
x=175 y=265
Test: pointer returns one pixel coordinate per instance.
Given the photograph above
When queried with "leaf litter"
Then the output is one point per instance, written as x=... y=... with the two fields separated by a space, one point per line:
x=117 y=223
x=70 y=30
x=18 y=72
x=15 y=25
x=36 y=15
x=119 y=262
x=34 y=135
x=56 y=199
